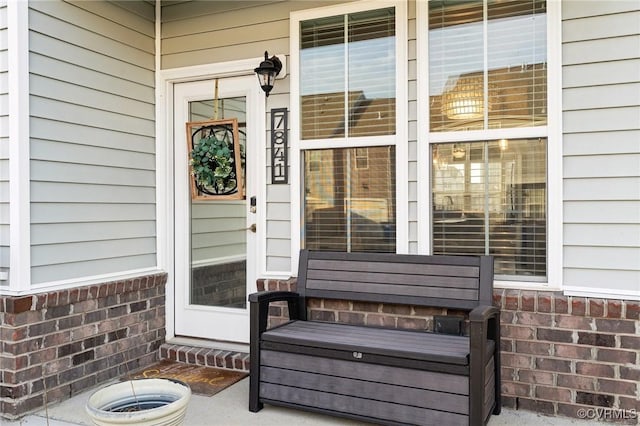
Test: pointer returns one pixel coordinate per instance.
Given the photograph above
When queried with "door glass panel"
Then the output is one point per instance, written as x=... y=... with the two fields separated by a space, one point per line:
x=219 y=227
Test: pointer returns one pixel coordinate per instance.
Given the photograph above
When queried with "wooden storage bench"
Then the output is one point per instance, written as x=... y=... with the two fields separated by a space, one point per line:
x=375 y=374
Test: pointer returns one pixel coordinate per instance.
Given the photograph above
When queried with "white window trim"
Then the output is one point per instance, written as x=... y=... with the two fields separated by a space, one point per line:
x=553 y=133
x=399 y=140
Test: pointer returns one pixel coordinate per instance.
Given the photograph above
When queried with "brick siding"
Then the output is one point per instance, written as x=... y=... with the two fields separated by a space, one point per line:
x=561 y=355
x=67 y=341
x=570 y=356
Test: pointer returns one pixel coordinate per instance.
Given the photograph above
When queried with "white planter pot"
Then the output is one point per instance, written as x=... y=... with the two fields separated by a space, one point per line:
x=151 y=402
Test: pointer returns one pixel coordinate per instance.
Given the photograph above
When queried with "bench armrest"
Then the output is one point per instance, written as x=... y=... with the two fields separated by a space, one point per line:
x=259 y=307
x=259 y=302
x=483 y=313
x=258 y=317
x=484 y=324
x=273 y=296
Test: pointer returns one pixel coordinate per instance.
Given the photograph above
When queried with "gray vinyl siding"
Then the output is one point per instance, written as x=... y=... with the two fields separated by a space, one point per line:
x=278 y=215
x=601 y=114
x=92 y=138
x=4 y=144
x=196 y=33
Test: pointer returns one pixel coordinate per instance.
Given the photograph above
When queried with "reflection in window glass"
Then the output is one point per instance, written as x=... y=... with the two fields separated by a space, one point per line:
x=322 y=79
x=372 y=85
x=218 y=239
x=510 y=90
x=362 y=47
x=517 y=63
x=347 y=207
x=490 y=198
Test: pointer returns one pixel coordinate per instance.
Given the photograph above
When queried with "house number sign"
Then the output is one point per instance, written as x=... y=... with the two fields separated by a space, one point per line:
x=279 y=142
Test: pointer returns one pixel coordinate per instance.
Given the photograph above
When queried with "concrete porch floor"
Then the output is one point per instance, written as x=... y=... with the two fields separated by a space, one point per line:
x=229 y=407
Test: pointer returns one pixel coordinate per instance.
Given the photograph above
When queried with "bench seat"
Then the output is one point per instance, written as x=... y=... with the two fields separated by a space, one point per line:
x=371 y=344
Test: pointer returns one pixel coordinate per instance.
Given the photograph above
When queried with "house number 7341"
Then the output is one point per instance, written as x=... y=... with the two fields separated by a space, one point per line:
x=279 y=142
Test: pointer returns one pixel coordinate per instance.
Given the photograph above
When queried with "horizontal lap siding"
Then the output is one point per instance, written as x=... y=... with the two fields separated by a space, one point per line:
x=92 y=138
x=601 y=115
x=4 y=143
x=195 y=32
x=278 y=222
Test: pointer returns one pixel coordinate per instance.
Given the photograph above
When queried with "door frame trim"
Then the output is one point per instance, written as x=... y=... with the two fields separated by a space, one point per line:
x=165 y=196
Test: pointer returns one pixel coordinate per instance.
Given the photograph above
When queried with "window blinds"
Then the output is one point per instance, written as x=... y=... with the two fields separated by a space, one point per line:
x=517 y=63
x=487 y=68
x=490 y=198
x=349 y=199
x=347 y=69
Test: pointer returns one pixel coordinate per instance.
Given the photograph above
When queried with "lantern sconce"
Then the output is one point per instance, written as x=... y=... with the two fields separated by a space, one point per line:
x=267 y=72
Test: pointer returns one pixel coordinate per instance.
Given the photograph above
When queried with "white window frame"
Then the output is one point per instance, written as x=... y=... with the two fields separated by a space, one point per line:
x=399 y=139
x=552 y=131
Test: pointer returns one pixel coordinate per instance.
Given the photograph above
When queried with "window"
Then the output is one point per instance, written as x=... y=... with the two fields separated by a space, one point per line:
x=347 y=69
x=487 y=68
x=488 y=133
x=490 y=197
x=348 y=208
x=362 y=158
x=348 y=91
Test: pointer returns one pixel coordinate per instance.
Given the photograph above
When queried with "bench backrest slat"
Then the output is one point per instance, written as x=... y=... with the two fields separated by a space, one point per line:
x=461 y=282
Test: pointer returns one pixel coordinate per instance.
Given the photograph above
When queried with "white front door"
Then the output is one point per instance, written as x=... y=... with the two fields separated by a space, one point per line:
x=215 y=240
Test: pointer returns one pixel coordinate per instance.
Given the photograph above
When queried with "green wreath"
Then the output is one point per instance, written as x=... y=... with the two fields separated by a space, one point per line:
x=213 y=160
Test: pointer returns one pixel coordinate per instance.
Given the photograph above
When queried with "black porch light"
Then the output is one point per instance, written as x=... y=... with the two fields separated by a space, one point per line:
x=267 y=72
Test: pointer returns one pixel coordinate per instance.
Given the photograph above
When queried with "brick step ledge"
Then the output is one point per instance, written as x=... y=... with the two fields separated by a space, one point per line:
x=209 y=357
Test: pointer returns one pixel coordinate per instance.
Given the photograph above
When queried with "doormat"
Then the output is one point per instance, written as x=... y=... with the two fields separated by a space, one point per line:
x=206 y=381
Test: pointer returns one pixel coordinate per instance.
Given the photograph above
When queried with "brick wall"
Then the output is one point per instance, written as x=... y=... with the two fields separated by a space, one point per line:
x=67 y=341
x=219 y=285
x=564 y=356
